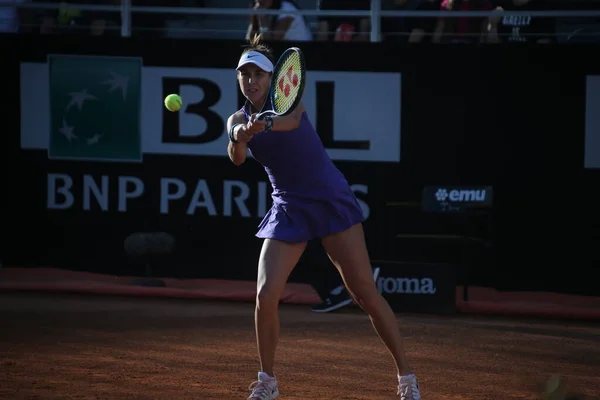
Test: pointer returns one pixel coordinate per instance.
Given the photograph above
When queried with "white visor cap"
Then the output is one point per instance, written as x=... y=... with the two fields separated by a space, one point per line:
x=256 y=58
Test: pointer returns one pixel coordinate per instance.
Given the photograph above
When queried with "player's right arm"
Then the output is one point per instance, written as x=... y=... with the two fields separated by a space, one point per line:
x=238 y=151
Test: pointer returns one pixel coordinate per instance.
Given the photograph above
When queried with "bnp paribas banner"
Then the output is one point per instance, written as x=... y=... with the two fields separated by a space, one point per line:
x=592 y=122
x=111 y=109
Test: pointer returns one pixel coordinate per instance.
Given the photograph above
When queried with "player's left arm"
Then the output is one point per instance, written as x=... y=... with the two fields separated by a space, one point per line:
x=289 y=122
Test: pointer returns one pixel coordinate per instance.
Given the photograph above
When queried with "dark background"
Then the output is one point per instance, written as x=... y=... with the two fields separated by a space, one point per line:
x=507 y=116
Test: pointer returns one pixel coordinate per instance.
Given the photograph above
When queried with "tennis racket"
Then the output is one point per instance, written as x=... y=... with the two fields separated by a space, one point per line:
x=287 y=84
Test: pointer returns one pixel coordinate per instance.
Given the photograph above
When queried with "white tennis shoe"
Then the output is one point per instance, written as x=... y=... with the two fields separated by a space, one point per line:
x=408 y=388
x=265 y=388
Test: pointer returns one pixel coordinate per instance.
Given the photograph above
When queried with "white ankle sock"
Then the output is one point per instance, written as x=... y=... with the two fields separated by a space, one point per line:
x=265 y=376
x=405 y=377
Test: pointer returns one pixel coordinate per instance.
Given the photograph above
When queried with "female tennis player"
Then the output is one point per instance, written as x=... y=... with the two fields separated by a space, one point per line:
x=311 y=199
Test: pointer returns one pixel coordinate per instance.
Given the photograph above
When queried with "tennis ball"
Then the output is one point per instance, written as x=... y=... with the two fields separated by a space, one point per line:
x=173 y=102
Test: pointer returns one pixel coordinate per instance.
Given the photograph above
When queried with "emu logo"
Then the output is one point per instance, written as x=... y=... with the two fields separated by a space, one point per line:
x=460 y=195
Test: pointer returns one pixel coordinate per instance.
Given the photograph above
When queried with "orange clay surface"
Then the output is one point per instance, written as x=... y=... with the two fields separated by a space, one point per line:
x=72 y=346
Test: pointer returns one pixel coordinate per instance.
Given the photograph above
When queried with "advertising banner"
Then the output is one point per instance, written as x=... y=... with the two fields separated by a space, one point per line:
x=105 y=108
x=99 y=157
x=110 y=109
x=417 y=287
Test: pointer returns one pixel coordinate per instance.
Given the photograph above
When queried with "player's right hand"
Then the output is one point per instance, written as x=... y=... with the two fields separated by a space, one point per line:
x=254 y=126
x=242 y=135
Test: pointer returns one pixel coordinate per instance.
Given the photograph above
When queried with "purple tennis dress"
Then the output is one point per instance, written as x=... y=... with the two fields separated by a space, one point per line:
x=311 y=197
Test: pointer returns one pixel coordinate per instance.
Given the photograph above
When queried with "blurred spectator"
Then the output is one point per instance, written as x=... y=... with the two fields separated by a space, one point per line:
x=344 y=29
x=521 y=28
x=409 y=29
x=103 y=22
x=462 y=29
x=9 y=16
x=58 y=20
x=178 y=26
x=397 y=29
x=69 y=20
x=285 y=26
x=422 y=29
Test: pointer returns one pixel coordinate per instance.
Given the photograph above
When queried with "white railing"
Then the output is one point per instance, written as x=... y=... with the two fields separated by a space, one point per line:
x=375 y=14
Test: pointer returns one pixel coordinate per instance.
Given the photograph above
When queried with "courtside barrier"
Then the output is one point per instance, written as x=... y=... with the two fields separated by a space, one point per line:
x=484 y=301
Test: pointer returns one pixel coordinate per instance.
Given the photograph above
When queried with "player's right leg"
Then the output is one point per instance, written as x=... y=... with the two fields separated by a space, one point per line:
x=277 y=260
x=348 y=251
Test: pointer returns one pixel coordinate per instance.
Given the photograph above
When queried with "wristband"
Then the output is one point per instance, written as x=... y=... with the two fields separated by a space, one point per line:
x=231 y=138
x=269 y=123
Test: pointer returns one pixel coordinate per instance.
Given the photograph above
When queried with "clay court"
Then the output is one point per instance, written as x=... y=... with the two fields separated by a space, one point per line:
x=77 y=346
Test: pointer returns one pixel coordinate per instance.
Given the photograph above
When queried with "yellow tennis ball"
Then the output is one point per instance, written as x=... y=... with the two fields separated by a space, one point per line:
x=173 y=102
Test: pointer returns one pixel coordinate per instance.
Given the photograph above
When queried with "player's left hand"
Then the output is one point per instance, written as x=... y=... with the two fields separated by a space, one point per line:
x=255 y=126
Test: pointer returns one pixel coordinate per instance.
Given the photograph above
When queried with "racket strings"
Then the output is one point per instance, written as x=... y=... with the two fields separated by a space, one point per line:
x=288 y=83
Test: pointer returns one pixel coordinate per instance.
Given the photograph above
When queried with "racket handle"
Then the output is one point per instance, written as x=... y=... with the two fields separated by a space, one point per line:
x=262 y=115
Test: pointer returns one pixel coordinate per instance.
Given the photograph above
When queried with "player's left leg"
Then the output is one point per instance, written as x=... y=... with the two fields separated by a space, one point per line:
x=348 y=251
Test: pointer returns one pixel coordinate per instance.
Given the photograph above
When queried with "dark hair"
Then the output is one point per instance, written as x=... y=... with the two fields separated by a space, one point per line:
x=257 y=45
